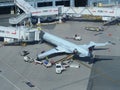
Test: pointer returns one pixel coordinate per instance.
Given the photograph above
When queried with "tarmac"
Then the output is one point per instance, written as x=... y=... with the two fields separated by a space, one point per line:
x=14 y=72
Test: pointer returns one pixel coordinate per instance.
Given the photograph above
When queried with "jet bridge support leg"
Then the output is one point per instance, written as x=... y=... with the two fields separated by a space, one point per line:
x=60 y=19
x=29 y=20
x=12 y=11
x=38 y=23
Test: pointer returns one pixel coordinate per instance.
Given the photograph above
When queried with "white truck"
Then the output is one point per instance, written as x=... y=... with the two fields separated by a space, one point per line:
x=59 y=68
x=28 y=59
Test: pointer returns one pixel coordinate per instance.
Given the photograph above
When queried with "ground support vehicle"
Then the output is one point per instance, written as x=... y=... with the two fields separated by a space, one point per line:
x=59 y=68
x=97 y=29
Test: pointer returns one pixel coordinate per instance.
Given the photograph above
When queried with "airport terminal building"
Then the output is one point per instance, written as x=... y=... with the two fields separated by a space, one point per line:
x=7 y=5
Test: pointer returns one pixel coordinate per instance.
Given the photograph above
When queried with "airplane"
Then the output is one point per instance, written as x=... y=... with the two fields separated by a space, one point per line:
x=64 y=46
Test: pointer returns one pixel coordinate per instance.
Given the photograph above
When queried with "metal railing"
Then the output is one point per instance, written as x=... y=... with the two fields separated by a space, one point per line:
x=18 y=19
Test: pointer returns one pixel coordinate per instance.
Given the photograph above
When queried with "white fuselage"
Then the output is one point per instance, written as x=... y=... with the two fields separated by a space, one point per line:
x=69 y=46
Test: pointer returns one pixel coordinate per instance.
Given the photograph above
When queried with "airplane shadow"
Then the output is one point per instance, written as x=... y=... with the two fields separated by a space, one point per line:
x=49 y=26
x=95 y=49
x=83 y=20
x=21 y=43
x=97 y=58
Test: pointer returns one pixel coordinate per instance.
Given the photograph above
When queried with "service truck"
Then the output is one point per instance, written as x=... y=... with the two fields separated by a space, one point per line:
x=59 y=68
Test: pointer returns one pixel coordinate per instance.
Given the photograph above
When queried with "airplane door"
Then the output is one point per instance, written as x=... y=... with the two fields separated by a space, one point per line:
x=32 y=36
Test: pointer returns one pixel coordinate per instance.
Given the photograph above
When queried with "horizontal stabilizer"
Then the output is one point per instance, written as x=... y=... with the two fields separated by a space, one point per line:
x=97 y=44
x=91 y=44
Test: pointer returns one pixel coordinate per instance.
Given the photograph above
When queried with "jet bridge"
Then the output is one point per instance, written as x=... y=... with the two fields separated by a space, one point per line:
x=113 y=21
x=31 y=11
x=25 y=6
x=15 y=34
x=15 y=20
x=106 y=13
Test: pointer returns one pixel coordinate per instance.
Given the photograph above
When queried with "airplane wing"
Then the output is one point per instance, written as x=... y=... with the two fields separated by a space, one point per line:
x=52 y=51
